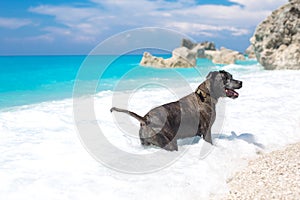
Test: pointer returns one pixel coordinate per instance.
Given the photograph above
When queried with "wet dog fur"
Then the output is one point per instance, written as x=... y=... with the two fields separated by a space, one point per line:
x=192 y=115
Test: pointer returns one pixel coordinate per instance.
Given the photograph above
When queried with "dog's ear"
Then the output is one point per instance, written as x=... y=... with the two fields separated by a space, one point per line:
x=211 y=75
x=226 y=74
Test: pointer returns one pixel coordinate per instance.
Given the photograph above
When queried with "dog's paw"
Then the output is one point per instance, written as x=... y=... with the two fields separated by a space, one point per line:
x=171 y=147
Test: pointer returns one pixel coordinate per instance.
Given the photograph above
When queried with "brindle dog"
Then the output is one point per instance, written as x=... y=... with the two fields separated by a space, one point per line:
x=190 y=116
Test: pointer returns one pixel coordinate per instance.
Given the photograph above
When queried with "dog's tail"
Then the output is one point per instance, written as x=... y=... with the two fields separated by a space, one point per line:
x=132 y=114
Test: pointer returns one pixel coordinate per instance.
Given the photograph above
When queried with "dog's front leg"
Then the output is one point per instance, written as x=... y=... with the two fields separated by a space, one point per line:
x=207 y=137
x=163 y=142
x=172 y=146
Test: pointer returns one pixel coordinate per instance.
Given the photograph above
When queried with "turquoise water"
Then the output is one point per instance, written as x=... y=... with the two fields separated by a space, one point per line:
x=33 y=79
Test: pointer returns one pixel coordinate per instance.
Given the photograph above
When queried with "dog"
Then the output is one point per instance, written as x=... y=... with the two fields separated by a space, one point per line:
x=192 y=115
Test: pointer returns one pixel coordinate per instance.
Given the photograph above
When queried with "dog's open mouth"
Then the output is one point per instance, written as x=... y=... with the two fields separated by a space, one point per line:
x=231 y=93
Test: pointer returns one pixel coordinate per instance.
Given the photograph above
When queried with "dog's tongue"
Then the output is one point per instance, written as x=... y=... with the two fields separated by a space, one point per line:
x=231 y=93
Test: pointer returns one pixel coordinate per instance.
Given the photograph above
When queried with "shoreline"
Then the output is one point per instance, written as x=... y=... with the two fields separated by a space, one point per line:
x=273 y=175
x=43 y=139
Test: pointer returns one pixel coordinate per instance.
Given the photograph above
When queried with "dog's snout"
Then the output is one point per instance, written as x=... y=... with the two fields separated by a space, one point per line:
x=240 y=84
x=237 y=84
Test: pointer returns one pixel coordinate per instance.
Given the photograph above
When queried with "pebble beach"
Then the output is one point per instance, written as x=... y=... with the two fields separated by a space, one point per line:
x=274 y=175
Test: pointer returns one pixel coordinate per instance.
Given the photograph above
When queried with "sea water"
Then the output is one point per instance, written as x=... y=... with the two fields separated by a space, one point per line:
x=42 y=156
x=32 y=79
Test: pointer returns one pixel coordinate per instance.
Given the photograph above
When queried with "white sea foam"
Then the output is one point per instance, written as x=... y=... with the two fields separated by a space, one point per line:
x=42 y=157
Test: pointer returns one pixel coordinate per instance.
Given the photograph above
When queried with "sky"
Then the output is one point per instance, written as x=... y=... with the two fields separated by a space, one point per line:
x=75 y=27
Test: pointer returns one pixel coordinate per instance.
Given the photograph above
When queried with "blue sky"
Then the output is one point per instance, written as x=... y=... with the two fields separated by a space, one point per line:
x=76 y=26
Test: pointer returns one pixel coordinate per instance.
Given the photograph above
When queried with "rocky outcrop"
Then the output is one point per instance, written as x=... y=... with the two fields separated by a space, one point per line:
x=186 y=56
x=151 y=61
x=208 y=50
x=224 y=56
x=181 y=58
x=190 y=45
x=250 y=52
x=276 y=40
x=198 y=48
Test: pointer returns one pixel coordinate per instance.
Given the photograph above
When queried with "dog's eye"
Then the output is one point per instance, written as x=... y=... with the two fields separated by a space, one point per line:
x=224 y=77
x=228 y=76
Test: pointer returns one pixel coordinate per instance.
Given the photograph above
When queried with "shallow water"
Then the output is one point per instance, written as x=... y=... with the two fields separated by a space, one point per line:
x=42 y=156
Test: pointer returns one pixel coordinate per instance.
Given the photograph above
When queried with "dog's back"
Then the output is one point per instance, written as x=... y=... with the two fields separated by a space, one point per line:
x=192 y=115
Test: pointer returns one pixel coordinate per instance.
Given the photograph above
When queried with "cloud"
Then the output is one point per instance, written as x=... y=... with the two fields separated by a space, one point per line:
x=144 y=5
x=260 y=5
x=238 y=16
x=205 y=29
x=45 y=37
x=14 y=23
x=58 y=31
x=66 y=14
x=87 y=24
x=76 y=24
x=39 y=38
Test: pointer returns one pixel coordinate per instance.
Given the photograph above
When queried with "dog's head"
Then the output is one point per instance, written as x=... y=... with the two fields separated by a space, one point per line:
x=223 y=85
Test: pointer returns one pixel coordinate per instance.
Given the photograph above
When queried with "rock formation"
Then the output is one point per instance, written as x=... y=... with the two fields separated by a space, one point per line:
x=186 y=55
x=190 y=45
x=151 y=61
x=181 y=57
x=276 y=40
x=250 y=52
x=208 y=50
x=198 y=48
x=224 y=56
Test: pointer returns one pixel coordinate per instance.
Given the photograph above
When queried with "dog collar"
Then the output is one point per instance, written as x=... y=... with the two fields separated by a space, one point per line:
x=201 y=94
